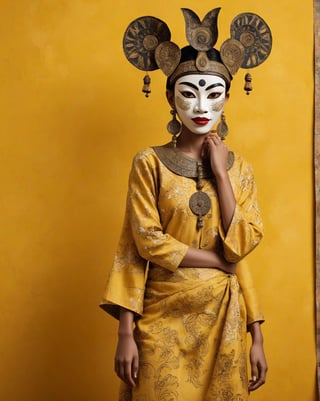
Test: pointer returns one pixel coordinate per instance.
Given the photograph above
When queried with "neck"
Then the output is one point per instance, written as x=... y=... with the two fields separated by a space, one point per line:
x=190 y=143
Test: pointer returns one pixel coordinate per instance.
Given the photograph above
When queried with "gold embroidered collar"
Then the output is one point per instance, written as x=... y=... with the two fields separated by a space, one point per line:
x=179 y=163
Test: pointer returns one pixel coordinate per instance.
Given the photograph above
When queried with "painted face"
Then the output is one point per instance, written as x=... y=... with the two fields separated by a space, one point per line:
x=199 y=101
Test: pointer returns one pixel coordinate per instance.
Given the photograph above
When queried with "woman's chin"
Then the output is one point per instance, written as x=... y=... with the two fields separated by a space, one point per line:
x=202 y=131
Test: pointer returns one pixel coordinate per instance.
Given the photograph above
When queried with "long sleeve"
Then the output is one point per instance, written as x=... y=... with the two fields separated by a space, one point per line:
x=142 y=241
x=245 y=230
x=126 y=281
x=248 y=289
x=152 y=243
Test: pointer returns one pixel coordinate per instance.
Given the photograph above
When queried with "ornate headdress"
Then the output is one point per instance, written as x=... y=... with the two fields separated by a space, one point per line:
x=147 y=46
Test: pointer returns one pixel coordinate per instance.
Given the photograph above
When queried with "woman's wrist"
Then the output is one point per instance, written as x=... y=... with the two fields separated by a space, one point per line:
x=256 y=333
x=126 y=319
x=221 y=176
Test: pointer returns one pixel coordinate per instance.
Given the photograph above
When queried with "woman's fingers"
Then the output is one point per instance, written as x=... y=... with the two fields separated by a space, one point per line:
x=128 y=377
x=127 y=370
x=214 y=140
x=135 y=367
x=126 y=373
x=126 y=363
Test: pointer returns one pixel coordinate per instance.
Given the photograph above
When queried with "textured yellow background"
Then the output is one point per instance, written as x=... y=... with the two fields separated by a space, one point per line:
x=72 y=117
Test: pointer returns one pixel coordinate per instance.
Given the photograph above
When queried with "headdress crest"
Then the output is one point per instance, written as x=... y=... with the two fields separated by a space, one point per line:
x=148 y=47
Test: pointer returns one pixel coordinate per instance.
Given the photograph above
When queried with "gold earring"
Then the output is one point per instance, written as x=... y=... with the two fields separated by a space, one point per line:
x=174 y=127
x=222 y=128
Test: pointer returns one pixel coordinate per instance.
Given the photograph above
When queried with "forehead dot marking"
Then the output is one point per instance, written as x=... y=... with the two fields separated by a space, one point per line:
x=202 y=82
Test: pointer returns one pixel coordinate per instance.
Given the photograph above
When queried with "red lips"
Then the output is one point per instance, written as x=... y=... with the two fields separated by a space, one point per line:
x=201 y=120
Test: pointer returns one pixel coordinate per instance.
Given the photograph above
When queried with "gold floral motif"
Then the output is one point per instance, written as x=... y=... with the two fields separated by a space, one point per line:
x=191 y=322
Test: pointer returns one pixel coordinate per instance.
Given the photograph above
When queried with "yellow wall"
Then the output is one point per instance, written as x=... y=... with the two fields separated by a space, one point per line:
x=71 y=118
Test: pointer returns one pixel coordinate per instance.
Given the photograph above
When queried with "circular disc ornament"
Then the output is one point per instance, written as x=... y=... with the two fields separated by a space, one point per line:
x=140 y=40
x=202 y=38
x=255 y=35
x=167 y=56
x=232 y=53
x=200 y=203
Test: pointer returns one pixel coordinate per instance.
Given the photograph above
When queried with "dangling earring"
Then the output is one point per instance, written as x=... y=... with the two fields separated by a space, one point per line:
x=222 y=128
x=174 y=127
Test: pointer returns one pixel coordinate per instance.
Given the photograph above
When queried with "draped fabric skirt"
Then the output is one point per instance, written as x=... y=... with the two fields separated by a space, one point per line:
x=191 y=338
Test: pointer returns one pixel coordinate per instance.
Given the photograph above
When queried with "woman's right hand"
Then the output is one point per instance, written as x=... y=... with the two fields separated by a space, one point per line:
x=126 y=363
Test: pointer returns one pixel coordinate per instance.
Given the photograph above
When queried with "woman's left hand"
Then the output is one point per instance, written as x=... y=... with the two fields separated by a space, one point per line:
x=217 y=151
x=258 y=366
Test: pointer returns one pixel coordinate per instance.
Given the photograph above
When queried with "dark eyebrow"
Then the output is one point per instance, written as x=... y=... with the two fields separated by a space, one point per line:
x=189 y=84
x=213 y=86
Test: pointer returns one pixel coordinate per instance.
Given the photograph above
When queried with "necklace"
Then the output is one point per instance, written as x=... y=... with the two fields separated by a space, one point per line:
x=200 y=202
x=178 y=163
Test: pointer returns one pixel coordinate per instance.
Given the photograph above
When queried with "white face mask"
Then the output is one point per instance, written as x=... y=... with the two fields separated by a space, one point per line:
x=199 y=100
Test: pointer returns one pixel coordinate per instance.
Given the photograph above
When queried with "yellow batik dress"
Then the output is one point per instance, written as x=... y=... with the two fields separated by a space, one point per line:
x=191 y=323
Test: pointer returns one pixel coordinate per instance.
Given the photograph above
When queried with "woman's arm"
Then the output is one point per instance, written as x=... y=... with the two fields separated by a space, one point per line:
x=241 y=227
x=126 y=363
x=258 y=361
x=202 y=258
x=218 y=158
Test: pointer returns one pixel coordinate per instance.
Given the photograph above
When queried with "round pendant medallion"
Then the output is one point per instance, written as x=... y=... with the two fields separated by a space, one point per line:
x=200 y=203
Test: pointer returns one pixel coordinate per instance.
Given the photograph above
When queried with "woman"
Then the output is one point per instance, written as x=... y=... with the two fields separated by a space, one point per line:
x=179 y=287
